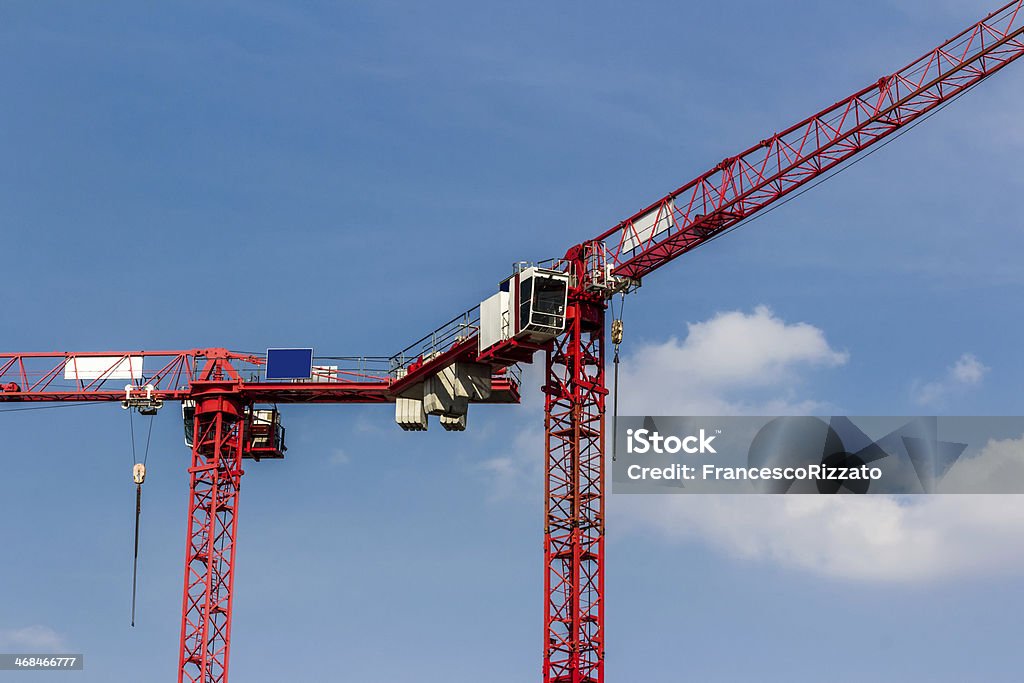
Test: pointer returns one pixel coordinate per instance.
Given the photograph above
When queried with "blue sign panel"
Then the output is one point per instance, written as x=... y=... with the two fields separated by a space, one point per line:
x=289 y=364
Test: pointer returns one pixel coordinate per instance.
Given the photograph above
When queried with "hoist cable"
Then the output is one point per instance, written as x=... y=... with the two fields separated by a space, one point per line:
x=131 y=426
x=135 y=562
x=615 y=405
x=138 y=499
x=615 y=375
x=149 y=435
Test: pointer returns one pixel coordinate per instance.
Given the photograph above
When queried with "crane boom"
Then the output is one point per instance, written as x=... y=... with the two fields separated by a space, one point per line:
x=170 y=375
x=742 y=185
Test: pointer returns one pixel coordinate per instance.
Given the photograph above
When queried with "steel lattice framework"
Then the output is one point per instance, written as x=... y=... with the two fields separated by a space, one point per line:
x=741 y=185
x=574 y=517
x=224 y=384
x=216 y=474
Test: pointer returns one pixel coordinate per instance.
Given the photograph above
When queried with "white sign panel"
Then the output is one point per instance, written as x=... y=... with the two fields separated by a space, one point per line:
x=651 y=224
x=324 y=373
x=103 y=367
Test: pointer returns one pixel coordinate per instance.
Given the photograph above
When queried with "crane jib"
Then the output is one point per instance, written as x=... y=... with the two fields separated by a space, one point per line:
x=740 y=186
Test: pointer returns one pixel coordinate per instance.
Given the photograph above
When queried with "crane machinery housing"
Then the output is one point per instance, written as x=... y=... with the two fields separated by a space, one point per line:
x=230 y=400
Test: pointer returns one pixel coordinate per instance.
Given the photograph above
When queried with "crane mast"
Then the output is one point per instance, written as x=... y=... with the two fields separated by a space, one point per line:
x=559 y=309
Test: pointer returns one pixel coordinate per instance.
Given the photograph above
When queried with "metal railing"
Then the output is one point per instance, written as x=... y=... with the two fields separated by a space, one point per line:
x=455 y=331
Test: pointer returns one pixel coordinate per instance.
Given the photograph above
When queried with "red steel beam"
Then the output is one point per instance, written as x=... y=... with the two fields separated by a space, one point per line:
x=39 y=377
x=741 y=185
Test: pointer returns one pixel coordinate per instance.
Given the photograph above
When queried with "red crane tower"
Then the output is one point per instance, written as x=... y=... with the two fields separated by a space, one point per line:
x=559 y=309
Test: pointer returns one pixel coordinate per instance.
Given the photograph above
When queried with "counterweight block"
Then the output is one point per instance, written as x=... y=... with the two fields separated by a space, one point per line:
x=446 y=395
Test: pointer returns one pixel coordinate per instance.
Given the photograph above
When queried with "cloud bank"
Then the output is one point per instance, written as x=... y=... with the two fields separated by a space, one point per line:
x=757 y=363
x=734 y=363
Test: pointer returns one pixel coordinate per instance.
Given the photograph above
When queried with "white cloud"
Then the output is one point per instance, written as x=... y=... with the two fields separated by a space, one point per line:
x=32 y=639
x=844 y=537
x=966 y=372
x=874 y=538
x=738 y=363
x=997 y=468
x=869 y=538
x=733 y=363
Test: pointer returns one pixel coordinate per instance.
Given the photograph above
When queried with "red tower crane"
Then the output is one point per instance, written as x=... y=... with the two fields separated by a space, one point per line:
x=559 y=309
x=221 y=393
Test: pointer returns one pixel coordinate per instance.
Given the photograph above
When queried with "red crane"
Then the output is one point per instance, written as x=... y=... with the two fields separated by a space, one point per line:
x=559 y=309
x=221 y=393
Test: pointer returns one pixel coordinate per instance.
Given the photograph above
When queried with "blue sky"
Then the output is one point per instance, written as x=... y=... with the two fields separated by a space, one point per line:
x=350 y=175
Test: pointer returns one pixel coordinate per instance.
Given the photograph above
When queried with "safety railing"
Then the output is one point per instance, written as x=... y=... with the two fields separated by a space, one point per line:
x=457 y=330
